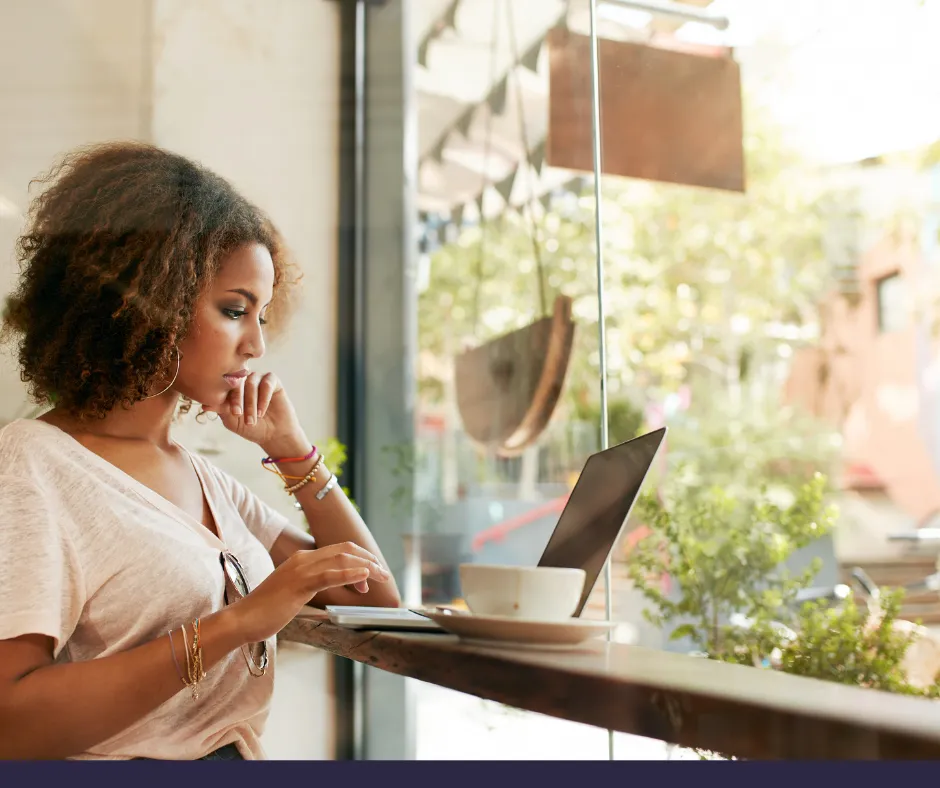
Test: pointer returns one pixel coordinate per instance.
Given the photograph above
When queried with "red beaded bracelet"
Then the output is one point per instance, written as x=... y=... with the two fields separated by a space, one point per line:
x=272 y=460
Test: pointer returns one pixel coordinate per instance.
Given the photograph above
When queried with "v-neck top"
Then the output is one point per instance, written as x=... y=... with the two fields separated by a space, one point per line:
x=101 y=563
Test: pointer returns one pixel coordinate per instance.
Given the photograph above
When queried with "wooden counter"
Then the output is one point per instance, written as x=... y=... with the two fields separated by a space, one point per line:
x=737 y=710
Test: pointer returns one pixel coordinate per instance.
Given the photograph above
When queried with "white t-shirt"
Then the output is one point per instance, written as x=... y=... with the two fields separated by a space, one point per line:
x=99 y=562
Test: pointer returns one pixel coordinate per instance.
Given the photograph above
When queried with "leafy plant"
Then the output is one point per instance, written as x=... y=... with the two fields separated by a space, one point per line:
x=624 y=418
x=334 y=457
x=844 y=645
x=401 y=465
x=726 y=556
x=401 y=460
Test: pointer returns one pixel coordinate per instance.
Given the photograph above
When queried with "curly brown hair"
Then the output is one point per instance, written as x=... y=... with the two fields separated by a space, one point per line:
x=120 y=246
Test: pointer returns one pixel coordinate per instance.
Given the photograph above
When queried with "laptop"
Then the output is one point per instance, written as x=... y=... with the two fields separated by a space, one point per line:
x=583 y=537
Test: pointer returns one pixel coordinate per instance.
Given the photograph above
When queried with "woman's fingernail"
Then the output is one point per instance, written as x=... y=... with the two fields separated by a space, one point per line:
x=250 y=420
x=236 y=411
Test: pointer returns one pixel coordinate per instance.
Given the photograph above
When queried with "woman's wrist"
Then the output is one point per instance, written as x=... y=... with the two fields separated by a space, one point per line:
x=230 y=628
x=291 y=446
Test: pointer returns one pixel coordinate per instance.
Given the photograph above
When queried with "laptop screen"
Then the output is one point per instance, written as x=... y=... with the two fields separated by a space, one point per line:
x=598 y=508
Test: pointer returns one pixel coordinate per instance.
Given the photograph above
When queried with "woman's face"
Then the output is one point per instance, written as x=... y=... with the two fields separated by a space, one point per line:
x=228 y=327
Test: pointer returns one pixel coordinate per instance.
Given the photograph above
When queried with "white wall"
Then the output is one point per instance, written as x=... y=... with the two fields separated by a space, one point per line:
x=71 y=72
x=241 y=86
x=250 y=88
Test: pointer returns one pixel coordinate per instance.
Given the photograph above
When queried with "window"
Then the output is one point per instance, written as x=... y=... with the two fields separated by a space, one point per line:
x=891 y=304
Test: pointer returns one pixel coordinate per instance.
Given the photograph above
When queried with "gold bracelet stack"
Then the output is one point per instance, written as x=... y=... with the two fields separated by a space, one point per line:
x=270 y=464
x=194 y=667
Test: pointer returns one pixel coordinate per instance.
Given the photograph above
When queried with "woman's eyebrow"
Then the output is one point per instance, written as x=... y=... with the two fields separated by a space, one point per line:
x=247 y=293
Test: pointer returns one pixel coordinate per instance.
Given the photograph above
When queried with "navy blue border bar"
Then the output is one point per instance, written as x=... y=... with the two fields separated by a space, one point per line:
x=472 y=774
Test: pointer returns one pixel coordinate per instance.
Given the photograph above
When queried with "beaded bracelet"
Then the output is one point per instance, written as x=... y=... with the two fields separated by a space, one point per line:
x=291 y=489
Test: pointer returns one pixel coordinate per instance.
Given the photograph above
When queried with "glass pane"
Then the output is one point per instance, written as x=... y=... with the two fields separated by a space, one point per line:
x=783 y=325
x=506 y=311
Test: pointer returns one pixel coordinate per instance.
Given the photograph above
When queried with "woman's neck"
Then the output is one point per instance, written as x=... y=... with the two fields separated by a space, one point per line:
x=149 y=420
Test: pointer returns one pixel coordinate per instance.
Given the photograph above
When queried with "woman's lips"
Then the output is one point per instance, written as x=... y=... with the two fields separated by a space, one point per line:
x=234 y=379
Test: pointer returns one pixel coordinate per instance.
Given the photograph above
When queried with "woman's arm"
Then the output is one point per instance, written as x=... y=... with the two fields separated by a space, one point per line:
x=332 y=520
x=260 y=411
x=51 y=711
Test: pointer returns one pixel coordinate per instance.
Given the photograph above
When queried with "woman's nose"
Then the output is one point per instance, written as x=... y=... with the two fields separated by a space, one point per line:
x=253 y=345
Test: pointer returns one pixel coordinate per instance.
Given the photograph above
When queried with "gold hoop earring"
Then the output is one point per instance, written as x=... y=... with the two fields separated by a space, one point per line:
x=178 y=354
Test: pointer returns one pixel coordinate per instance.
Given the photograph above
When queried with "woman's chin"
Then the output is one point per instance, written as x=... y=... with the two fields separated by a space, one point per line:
x=210 y=401
x=214 y=403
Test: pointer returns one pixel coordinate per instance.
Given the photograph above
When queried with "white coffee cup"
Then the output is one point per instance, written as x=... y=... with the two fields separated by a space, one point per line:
x=538 y=593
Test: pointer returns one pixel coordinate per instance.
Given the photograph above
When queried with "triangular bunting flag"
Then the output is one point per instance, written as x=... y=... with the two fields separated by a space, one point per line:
x=423 y=52
x=504 y=187
x=537 y=157
x=437 y=152
x=464 y=121
x=546 y=200
x=497 y=98
x=531 y=58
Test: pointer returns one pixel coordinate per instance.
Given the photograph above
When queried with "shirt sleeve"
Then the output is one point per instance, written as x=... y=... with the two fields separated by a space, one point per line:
x=42 y=591
x=264 y=522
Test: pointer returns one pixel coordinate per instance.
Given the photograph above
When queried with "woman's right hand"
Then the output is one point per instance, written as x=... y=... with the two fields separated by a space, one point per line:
x=273 y=604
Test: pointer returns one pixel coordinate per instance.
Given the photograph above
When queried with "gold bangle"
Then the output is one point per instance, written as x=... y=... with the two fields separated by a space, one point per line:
x=196 y=672
x=186 y=656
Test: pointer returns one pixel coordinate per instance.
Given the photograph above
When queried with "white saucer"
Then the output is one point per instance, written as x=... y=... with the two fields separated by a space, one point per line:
x=519 y=632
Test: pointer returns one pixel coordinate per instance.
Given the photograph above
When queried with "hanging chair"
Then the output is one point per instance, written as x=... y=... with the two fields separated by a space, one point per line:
x=507 y=388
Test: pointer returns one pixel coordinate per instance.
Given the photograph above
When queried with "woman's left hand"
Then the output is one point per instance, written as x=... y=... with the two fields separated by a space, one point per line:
x=259 y=411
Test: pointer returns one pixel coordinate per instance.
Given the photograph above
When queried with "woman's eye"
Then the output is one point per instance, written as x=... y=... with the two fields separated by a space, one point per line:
x=262 y=321
x=234 y=314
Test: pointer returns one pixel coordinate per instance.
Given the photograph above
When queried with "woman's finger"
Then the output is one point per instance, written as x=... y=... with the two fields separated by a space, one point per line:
x=376 y=570
x=349 y=560
x=250 y=398
x=268 y=387
x=346 y=547
x=333 y=578
x=234 y=399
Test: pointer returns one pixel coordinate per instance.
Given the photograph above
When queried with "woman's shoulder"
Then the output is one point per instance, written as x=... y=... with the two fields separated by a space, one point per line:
x=32 y=448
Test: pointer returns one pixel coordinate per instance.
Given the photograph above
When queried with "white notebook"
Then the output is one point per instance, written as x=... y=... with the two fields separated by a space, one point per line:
x=397 y=618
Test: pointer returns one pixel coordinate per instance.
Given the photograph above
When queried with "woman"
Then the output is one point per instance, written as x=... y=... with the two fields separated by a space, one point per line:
x=141 y=587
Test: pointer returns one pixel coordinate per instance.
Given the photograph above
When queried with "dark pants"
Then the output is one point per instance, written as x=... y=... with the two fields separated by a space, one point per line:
x=227 y=752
